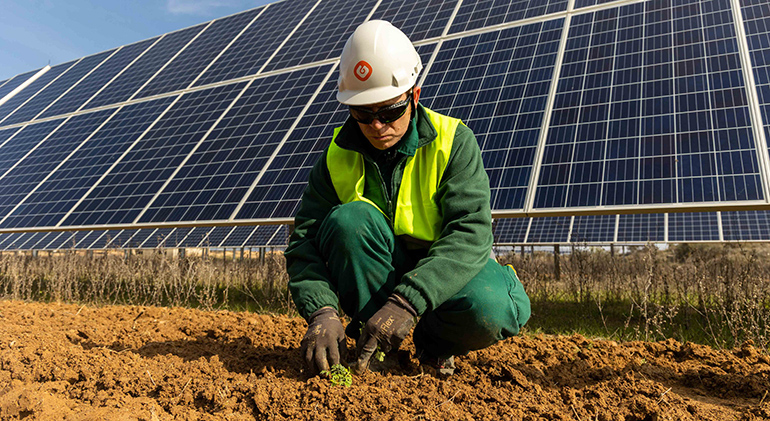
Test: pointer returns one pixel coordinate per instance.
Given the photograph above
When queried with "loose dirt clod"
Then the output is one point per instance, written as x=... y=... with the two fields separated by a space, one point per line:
x=179 y=364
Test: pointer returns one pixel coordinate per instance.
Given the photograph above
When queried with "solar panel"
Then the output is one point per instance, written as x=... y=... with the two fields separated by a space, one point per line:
x=323 y=33
x=262 y=235
x=131 y=184
x=50 y=93
x=46 y=157
x=33 y=88
x=238 y=236
x=651 y=108
x=195 y=237
x=689 y=227
x=14 y=82
x=483 y=13
x=746 y=226
x=497 y=83
x=418 y=19
x=511 y=230
x=63 y=241
x=141 y=70
x=185 y=68
x=549 y=230
x=258 y=42
x=644 y=105
x=91 y=84
x=281 y=237
x=23 y=142
x=53 y=198
x=593 y=229
x=211 y=183
x=643 y=228
x=9 y=241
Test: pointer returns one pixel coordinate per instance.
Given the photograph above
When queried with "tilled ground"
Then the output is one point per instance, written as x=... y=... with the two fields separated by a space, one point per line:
x=67 y=362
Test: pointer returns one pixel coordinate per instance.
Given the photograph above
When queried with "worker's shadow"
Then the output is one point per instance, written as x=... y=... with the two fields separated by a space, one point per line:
x=238 y=355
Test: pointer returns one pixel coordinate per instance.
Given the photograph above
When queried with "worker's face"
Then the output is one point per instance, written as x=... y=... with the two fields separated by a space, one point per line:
x=384 y=135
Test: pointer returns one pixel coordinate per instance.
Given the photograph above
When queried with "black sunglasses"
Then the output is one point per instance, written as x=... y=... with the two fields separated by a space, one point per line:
x=384 y=115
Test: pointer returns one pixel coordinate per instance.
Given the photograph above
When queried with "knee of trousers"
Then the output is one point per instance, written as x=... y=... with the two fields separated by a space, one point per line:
x=350 y=224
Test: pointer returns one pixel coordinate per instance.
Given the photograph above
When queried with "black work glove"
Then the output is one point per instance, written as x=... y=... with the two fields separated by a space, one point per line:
x=324 y=341
x=387 y=328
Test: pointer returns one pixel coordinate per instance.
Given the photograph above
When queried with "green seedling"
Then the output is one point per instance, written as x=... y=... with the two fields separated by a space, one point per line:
x=338 y=375
x=379 y=355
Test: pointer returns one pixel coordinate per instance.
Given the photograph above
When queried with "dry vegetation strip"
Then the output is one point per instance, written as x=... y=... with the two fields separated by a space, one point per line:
x=713 y=294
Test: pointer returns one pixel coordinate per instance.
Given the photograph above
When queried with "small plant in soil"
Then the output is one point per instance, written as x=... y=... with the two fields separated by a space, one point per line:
x=338 y=375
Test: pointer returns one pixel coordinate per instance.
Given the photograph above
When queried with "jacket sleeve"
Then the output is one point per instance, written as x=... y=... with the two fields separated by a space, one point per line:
x=309 y=279
x=465 y=242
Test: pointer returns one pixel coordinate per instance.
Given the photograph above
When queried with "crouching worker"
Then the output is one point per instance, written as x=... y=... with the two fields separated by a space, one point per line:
x=394 y=227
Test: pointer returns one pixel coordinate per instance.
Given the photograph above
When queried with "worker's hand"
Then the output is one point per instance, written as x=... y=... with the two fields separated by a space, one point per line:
x=324 y=342
x=387 y=328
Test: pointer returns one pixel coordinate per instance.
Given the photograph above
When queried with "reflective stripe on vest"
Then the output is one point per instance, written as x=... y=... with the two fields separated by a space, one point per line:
x=417 y=213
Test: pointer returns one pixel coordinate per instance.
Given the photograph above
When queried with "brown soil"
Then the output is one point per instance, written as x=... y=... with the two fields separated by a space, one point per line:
x=66 y=362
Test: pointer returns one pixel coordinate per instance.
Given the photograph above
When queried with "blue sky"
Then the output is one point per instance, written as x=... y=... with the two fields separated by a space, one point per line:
x=36 y=32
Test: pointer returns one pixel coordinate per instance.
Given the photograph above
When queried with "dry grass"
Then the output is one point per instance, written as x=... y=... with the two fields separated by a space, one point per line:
x=152 y=278
x=714 y=294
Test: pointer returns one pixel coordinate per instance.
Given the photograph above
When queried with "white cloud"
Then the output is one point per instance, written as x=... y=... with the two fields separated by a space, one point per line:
x=195 y=7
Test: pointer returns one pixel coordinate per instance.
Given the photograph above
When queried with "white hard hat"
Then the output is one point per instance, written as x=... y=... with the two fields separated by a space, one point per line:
x=378 y=63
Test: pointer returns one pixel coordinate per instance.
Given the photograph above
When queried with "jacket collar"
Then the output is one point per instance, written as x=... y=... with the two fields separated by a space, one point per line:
x=420 y=133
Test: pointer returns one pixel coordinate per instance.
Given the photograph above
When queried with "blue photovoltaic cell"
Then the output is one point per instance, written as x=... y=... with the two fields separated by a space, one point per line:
x=756 y=17
x=261 y=235
x=125 y=85
x=15 y=82
x=510 y=230
x=195 y=237
x=176 y=237
x=128 y=187
x=31 y=240
x=74 y=99
x=651 y=108
x=418 y=19
x=5 y=135
x=138 y=237
x=279 y=191
x=216 y=236
x=23 y=142
x=593 y=229
x=10 y=241
x=83 y=239
x=185 y=67
x=120 y=239
x=157 y=238
x=641 y=228
x=281 y=238
x=31 y=170
x=32 y=89
x=252 y=49
x=55 y=89
x=57 y=195
x=51 y=241
x=323 y=34
x=549 y=230
x=238 y=236
x=746 y=225
x=62 y=241
x=483 y=13
x=106 y=238
x=218 y=174
x=498 y=84
x=701 y=226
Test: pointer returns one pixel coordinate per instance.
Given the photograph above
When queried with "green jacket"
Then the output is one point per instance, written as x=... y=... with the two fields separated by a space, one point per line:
x=448 y=264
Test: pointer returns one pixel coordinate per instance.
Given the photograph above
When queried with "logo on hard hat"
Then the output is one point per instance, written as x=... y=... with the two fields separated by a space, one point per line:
x=363 y=70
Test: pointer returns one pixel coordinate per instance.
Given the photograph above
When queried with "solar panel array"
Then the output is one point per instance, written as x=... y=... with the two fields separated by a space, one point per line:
x=599 y=122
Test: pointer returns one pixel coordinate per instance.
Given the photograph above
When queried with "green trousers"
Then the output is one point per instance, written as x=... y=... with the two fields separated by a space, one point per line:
x=366 y=261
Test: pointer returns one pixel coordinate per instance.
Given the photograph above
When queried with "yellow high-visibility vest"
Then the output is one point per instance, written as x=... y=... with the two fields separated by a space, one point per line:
x=417 y=213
